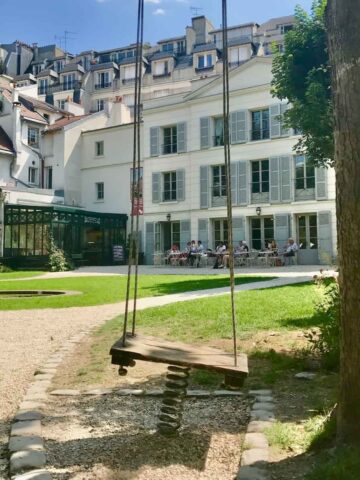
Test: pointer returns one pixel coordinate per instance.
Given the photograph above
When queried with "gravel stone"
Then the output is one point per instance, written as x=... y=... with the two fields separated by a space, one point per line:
x=25 y=460
x=24 y=429
x=34 y=475
x=31 y=442
x=255 y=456
x=252 y=473
x=255 y=440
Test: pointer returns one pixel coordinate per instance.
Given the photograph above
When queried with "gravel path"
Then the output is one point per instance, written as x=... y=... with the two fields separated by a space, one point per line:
x=30 y=336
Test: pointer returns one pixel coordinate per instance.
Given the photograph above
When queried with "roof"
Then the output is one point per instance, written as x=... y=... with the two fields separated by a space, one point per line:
x=160 y=55
x=129 y=61
x=239 y=41
x=27 y=110
x=205 y=47
x=63 y=122
x=26 y=76
x=172 y=39
x=47 y=72
x=5 y=142
x=104 y=66
x=234 y=27
x=72 y=67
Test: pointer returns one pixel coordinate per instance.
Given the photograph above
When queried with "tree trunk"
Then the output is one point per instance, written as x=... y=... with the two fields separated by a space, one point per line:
x=343 y=21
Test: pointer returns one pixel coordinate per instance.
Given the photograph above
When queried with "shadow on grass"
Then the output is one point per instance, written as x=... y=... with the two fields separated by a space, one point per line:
x=189 y=284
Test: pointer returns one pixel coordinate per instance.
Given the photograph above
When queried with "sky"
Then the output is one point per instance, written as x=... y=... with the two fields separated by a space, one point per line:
x=103 y=24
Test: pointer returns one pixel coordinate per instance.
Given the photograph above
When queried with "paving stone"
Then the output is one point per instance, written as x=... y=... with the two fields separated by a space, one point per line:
x=99 y=391
x=252 y=473
x=260 y=392
x=29 y=415
x=31 y=442
x=262 y=415
x=154 y=393
x=257 y=426
x=129 y=391
x=44 y=376
x=305 y=375
x=25 y=460
x=255 y=440
x=269 y=407
x=33 y=396
x=263 y=398
x=34 y=475
x=44 y=371
x=198 y=393
x=24 y=429
x=255 y=456
x=52 y=365
x=29 y=405
x=227 y=393
x=65 y=392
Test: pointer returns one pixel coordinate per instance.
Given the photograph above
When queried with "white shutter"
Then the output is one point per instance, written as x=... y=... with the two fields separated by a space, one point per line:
x=205 y=132
x=321 y=183
x=243 y=183
x=285 y=176
x=204 y=187
x=238 y=126
x=325 y=238
x=181 y=137
x=274 y=180
x=156 y=187
x=180 y=185
x=203 y=231
x=275 y=121
x=154 y=141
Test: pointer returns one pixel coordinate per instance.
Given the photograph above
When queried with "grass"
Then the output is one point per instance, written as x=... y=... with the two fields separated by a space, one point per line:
x=19 y=274
x=110 y=289
x=343 y=464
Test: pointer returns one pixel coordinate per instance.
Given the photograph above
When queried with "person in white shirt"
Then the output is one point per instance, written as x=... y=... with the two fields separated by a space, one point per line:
x=291 y=248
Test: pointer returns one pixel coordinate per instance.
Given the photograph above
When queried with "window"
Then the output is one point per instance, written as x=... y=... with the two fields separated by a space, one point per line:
x=103 y=80
x=180 y=46
x=286 y=28
x=219 y=131
x=308 y=235
x=33 y=175
x=170 y=140
x=220 y=232
x=169 y=186
x=69 y=81
x=99 y=190
x=161 y=68
x=130 y=54
x=100 y=104
x=238 y=54
x=304 y=173
x=262 y=232
x=43 y=84
x=59 y=65
x=33 y=137
x=129 y=72
x=205 y=61
x=168 y=47
x=36 y=69
x=260 y=125
x=48 y=177
x=260 y=176
x=219 y=181
x=61 y=104
x=99 y=149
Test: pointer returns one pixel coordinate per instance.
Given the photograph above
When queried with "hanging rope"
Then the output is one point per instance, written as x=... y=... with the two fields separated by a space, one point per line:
x=135 y=193
x=226 y=112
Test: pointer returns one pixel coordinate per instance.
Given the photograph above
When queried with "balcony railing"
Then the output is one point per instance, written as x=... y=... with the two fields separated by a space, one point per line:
x=162 y=75
x=259 y=134
x=204 y=69
x=169 y=148
x=98 y=86
x=60 y=87
x=129 y=81
x=218 y=141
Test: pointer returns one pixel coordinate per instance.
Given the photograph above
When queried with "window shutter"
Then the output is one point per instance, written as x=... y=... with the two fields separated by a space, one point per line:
x=204 y=132
x=156 y=187
x=149 y=242
x=154 y=141
x=181 y=137
x=185 y=233
x=203 y=231
x=325 y=238
x=234 y=183
x=204 y=187
x=282 y=229
x=238 y=126
x=285 y=176
x=285 y=132
x=243 y=183
x=238 y=229
x=180 y=185
x=274 y=180
x=275 y=121
x=321 y=183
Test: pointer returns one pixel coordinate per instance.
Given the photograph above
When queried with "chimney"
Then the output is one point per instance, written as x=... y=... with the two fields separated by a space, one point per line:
x=16 y=121
x=36 y=51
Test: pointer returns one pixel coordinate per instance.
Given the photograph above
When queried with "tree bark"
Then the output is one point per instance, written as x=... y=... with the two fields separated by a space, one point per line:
x=343 y=21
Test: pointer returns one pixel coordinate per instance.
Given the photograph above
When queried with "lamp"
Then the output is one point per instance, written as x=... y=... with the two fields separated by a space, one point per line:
x=168 y=217
x=258 y=211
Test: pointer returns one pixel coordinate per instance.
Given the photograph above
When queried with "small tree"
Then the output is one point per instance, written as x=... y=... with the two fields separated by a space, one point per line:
x=302 y=76
x=58 y=261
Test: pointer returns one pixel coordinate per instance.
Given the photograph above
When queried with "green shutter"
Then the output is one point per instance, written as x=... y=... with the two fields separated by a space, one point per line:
x=204 y=187
x=181 y=137
x=156 y=187
x=205 y=140
x=154 y=141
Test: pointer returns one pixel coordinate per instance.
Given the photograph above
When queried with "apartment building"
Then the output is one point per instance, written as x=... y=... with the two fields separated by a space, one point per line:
x=275 y=193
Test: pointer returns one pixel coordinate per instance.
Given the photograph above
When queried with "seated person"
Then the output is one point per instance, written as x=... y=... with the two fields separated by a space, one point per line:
x=291 y=248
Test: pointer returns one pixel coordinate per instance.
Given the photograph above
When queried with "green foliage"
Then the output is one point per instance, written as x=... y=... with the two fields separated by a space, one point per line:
x=326 y=340
x=341 y=464
x=302 y=76
x=58 y=261
x=5 y=269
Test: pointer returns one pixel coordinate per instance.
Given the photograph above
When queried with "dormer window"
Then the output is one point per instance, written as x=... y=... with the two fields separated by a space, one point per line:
x=285 y=28
x=129 y=72
x=168 y=47
x=161 y=69
x=238 y=55
x=59 y=65
x=205 y=61
x=103 y=80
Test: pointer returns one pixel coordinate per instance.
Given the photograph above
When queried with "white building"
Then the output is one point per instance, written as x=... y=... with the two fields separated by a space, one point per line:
x=276 y=194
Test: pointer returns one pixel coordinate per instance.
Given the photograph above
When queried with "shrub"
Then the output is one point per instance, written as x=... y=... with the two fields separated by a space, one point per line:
x=58 y=261
x=326 y=340
x=4 y=269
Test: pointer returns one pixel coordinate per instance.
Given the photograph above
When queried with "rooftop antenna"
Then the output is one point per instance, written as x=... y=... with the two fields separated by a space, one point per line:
x=195 y=11
x=63 y=39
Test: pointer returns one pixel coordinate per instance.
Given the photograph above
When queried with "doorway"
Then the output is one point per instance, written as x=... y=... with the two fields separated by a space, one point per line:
x=308 y=239
x=262 y=232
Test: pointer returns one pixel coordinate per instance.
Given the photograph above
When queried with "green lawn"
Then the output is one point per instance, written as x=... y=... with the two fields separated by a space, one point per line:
x=110 y=289
x=22 y=274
